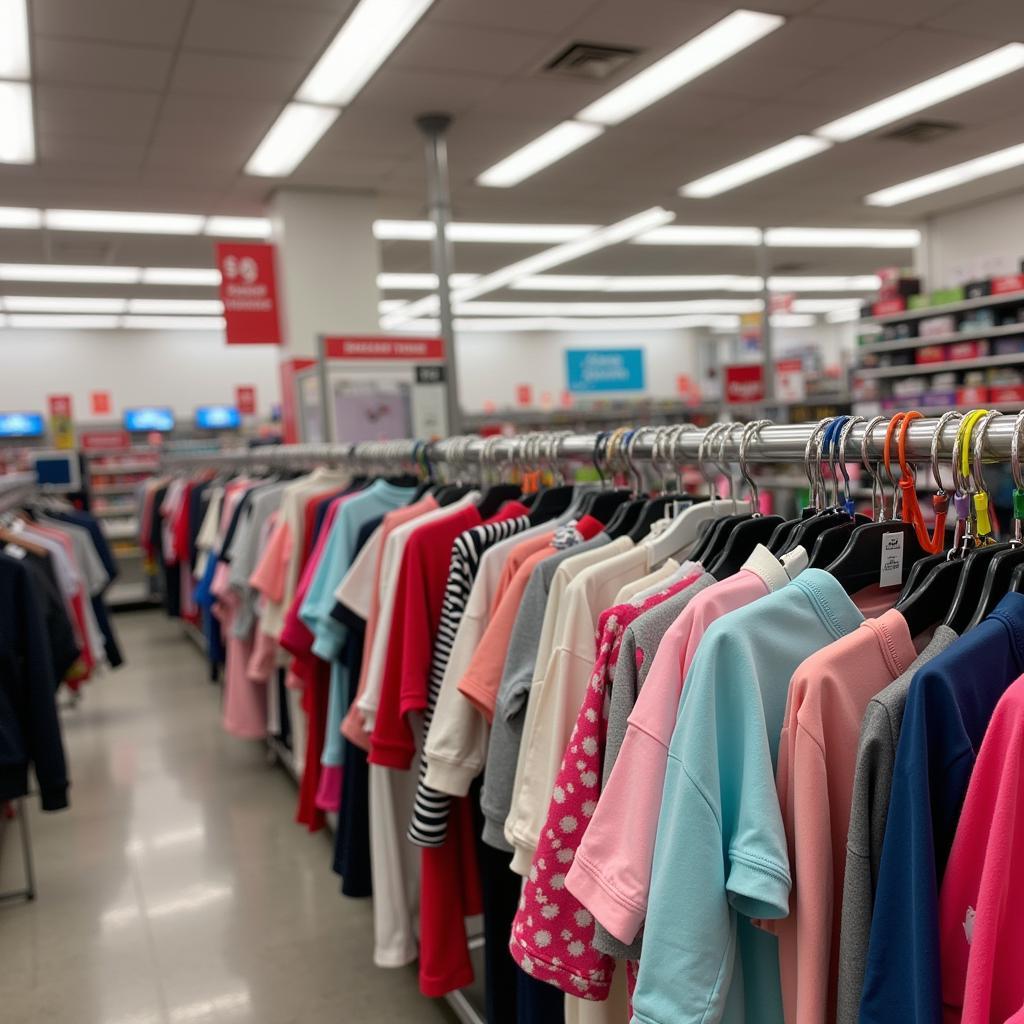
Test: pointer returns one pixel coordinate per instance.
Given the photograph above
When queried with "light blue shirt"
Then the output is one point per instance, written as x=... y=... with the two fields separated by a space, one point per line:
x=329 y=634
x=721 y=857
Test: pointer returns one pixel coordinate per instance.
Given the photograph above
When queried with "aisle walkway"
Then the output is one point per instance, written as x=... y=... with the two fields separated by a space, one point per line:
x=177 y=888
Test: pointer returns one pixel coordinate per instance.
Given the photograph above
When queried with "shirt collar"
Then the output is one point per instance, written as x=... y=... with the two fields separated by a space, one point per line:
x=764 y=564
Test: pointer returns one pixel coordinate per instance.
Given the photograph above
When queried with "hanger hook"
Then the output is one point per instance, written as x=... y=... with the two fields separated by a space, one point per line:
x=809 y=448
x=844 y=436
x=877 y=496
x=834 y=431
x=707 y=438
x=751 y=431
x=725 y=465
x=979 y=448
x=945 y=418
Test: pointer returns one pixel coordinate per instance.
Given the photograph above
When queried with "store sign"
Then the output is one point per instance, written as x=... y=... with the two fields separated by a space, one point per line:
x=744 y=383
x=100 y=403
x=565 y=398
x=524 y=395
x=750 y=331
x=790 y=380
x=406 y=349
x=687 y=389
x=605 y=369
x=782 y=302
x=290 y=370
x=61 y=428
x=245 y=399
x=248 y=289
x=93 y=440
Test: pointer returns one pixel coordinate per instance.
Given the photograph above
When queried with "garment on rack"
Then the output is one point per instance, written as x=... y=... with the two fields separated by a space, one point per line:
x=30 y=733
x=60 y=634
x=948 y=709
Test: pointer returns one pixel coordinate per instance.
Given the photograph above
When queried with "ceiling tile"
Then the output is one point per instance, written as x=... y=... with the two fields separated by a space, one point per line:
x=997 y=19
x=410 y=92
x=444 y=47
x=885 y=12
x=153 y=22
x=222 y=74
x=523 y=15
x=124 y=117
x=214 y=126
x=234 y=26
x=61 y=147
x=81 y=62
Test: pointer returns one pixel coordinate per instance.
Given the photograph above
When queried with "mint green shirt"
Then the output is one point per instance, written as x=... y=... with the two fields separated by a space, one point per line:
x=721 y=858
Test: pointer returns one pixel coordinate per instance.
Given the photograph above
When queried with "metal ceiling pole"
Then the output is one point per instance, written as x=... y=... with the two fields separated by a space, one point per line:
x=434 y=128
x=764 y=269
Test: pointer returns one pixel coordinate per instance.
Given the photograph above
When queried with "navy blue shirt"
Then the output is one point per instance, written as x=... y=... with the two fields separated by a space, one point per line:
x=949 y=705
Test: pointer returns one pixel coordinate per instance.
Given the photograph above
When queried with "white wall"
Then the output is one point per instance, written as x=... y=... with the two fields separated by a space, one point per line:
x=974 y=242
x=181 y=369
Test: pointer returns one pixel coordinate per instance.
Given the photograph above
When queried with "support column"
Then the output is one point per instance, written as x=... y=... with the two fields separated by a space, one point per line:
x=328 y=262
x=764 y=269
x=434 y=127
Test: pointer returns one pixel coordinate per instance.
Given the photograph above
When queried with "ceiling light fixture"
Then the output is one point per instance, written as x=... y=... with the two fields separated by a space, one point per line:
x=17 y=138
x=14 y=48
x=297 y=130
x=825 y=305
x=173 y=323
x=843 y=238
x=127 y=223
x=689 y=234
x=419 y=282
x=60 y=304
x=543 y=151
x=757 y=166
x=561 y=323
x=20 y=217
x=723 y=40
x=605 y=309
x=69 y=322
x=974 y=73
x=198 y=276
x=69 y=273
x=948 y=177
x=793 y=320
x=238 y=227
x=199 y=307
x=849 y=283
x=368 y=37
x=844 y=315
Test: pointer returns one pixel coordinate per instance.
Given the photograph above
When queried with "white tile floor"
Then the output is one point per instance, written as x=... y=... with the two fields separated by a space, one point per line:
x=177 y=888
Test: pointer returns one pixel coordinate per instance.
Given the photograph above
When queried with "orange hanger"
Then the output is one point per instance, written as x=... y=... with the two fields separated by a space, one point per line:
x=908 y=485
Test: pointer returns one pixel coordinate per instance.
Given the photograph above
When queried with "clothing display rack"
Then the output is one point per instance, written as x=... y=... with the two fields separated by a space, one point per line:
x=717 y=450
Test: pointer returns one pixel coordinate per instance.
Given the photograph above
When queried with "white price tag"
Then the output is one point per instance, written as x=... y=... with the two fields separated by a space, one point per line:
x=891 y=574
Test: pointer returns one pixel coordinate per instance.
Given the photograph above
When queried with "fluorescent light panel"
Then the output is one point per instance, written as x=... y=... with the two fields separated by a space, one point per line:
x=20 y=217
x=70 y=322
x=757 y=166
x=561 y=323
x=843 y=238
x=173 y=323
x=14 y=49
x=125 y=223
x=60 y=304
x=723 y=40
x=605 y=309
x=549 y=148
x=852 y=283
x=948 y=177
x=688 y=234
x=297 y=130
x=197 y=306
x=974 y=73
x=17 y=137
x=469 y=231
x=238 y=227
x=419 y=282
x=70 y=273
x=198 y=276
x=368 y=37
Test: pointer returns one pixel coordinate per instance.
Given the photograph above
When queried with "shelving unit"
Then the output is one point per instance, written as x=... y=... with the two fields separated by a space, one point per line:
x=963 y=306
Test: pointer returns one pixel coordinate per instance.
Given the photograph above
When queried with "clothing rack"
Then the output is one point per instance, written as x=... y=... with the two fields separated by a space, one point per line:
x=681 y=444
x=14 y=489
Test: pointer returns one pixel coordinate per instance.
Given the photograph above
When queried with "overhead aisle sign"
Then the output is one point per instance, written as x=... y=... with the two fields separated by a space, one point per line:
x=605 y=369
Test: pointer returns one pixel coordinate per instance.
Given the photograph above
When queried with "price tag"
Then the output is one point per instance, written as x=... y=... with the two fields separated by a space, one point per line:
x=891 y=574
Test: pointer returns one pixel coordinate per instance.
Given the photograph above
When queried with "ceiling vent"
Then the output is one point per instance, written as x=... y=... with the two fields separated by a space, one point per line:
x=922 y=131
x=591 y=60
x=62 y=249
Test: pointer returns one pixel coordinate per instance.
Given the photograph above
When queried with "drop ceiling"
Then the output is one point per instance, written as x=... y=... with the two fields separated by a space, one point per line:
x=157 y=105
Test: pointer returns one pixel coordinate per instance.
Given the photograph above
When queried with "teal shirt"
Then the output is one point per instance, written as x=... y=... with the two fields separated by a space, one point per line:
x=721 y=857
x=329 y=634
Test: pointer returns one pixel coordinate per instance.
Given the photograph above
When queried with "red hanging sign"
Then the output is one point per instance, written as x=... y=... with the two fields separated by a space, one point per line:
x=248 y=289
x=370 y=347
x=245 y=399
x=744 y=383
x=97 y=439
x=782 y=302
x=100 y=403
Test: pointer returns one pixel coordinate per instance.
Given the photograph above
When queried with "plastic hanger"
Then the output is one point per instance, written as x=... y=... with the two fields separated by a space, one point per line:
x=745 y=535
x=654 y=508
x=1004 y=565
x=871 y=546
x=935 y=541
x=498 y=493
x=714 y=539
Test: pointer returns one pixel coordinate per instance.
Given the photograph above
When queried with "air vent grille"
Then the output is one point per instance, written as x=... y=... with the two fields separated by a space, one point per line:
x=590 y=60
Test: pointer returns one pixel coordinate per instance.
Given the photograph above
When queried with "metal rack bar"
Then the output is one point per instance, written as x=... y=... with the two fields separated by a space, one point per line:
x=776 y=443
x=29 y=891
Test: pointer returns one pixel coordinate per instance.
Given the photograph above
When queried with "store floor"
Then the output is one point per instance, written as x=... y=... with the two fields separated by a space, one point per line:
x=177 y=888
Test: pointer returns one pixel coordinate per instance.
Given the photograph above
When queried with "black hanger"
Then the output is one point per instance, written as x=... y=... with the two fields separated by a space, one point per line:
x=422 y=490
x=652 y=511
x=829 y=545
x=495 y=497
x=859 y=564
x=1017 y=582
x=806 y=533
x=448 y=494
x=624 y=518
x=779 y=540
x=603 y=504
x=998 y=581
x=925 y=602
x=403 y=480
x=550 y=502
x=971 y=586
x=740 y=544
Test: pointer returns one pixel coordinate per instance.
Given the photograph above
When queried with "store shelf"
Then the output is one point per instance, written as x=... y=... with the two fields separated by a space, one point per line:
x=899 y=344
x=102 y=489
x=927 y=369
x=123 y=467
x=949 y=307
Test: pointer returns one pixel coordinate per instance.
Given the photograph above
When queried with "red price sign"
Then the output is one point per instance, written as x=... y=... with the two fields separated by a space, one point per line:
x=248 y=289
x=60 y=406
x=744 y=383
x=245 y=399
x=100 y=403
x=524 y=395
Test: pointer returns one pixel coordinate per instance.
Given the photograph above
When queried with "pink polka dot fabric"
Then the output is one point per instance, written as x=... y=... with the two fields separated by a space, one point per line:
x=552 y=933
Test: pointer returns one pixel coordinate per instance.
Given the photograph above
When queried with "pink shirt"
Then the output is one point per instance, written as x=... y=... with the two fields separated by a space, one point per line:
x=981 y=905
x=552 y=933
x=611 y=873
x=828 y=695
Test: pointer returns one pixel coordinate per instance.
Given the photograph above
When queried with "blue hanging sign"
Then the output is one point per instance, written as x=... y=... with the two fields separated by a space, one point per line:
x=605 y=369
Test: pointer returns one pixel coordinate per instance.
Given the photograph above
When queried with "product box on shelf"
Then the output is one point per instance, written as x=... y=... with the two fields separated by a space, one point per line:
x=930 y=354
x=978 y=319
x=1008 y=346
x=899 y=331
x=939 y=398
x=886 y=306
x=945 y=295
x=1006 y=395
x=920 y=301
x=977 y=289
x=1007 y=283
x=933 y=326
x=967 y=349
x=976 y=394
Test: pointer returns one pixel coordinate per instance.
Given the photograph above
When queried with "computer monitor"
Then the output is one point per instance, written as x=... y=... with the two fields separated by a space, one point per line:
x=147 y=418
x=57 y=471
x=21 y=424
x=218 y=417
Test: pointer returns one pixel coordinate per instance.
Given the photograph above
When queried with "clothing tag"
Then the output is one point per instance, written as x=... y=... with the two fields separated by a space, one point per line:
x=891 y=574
x=679 y=506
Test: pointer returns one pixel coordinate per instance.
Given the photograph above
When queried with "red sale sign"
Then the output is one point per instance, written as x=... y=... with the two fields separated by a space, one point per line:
x=414 y=349
x=60 y=406
x=248 y=289
x=245 y=399
x=744 y=383
x=99 y=403
x=524 y=395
